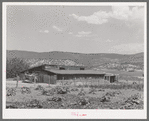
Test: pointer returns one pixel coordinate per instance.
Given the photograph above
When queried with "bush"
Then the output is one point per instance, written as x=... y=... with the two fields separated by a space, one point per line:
x=15 y=66
x=39 y=87
x=92 y=91
x=11 y=106
x=74 y=89
x=105 y=99
x=34 y=104
x=11 y=92
x=56 y=99
x=25 y=90
x=62 y=90
x=81 y=93
x=83 y=101
x=48 y=92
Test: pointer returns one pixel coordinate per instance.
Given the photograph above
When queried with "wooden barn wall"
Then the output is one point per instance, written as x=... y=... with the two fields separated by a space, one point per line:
x=42 y=76
x=76 y=76
x=47 y=77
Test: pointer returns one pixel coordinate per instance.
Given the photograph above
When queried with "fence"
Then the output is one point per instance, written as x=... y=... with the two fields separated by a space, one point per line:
x=82 y=82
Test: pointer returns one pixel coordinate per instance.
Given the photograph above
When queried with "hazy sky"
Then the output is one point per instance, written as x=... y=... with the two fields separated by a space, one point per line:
x=101 y=29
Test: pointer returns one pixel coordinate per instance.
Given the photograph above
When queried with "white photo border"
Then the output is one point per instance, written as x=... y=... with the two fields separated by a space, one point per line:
x=66 y=113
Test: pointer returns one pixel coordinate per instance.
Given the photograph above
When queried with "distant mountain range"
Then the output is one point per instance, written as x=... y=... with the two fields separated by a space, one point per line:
x=79 y=58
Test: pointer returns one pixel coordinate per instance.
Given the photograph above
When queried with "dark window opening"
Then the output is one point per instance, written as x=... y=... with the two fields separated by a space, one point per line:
x=81 y=68
x=61 y=68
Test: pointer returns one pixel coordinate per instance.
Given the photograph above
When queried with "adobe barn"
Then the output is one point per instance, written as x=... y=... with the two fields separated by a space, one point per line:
x=51 y=73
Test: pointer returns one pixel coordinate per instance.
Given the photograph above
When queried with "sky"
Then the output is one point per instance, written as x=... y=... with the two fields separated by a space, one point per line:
x=81 y=29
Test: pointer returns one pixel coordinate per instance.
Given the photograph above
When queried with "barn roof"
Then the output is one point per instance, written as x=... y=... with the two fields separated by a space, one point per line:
x=110 y=74
x=74 y=71
x=52 y=65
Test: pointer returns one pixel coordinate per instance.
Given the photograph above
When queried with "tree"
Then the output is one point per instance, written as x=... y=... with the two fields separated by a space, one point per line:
x=15 y=66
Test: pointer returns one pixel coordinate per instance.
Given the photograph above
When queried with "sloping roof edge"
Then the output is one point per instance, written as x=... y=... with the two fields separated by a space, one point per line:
x=74 y=71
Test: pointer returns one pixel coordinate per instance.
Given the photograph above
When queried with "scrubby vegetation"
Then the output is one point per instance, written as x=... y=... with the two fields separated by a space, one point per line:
x=108 y=96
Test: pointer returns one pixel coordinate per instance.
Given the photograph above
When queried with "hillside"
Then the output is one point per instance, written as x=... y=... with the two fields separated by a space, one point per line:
x=89 y=60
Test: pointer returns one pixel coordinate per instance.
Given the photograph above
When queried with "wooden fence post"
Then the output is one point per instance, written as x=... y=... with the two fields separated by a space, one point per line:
x=75 y=81
x=17 y=79
x=62 y=81
x=86 y=82
x=49 y=80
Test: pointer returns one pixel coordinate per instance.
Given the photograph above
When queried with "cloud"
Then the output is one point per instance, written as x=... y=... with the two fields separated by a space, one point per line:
x=118 y=12
x=85 y=34
x=96 y=18
x=82 y=32
x=70 y=33
x=125 y=13
x=108 y=40
x=44 y=31
x=57 y=29
x=127 y=48
x=79 y=35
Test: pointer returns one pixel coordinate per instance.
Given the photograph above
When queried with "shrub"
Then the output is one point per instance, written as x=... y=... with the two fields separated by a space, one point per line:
x=74 y=89
x=11 y=106
x=83 y=101
x=48 y=92
x=81 y=93
x=112 y=94
x=11 y=92
x=39 y=87
x=105 y=99
x=25 y=90
x=133 y=102
x=34 y=104
x=92 y=91
x=62 y=90
x=56 y=99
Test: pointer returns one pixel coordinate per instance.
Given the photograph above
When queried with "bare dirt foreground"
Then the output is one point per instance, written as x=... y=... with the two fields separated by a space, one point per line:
x=107 y=96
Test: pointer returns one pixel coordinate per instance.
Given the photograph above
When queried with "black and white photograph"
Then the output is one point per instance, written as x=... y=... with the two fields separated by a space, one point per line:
x=74 y=60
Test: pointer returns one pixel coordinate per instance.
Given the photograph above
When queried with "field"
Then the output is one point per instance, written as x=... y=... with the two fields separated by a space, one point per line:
x=78 y=94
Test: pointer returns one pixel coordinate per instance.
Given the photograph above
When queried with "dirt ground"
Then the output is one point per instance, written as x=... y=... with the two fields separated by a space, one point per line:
x=76 y=98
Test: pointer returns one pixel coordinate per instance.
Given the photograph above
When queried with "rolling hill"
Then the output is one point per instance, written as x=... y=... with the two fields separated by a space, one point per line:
x=79 y=58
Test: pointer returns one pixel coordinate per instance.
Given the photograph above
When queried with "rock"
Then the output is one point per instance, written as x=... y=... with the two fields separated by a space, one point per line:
x=136 y=101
